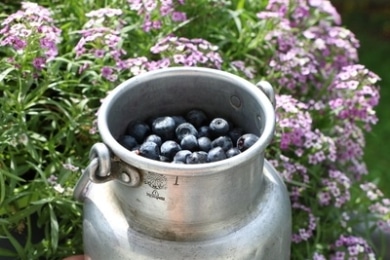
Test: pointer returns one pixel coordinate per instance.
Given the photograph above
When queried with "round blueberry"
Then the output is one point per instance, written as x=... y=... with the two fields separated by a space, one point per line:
x=149 y=150
x=196 y=117
x=154 y=138
x=219 y=126
x=181 y=156
x=128 y=141
x=179 y=120
x=216 y=154
x=196 y=157
x=139 y=130
x=204 y=130
x=169 y=148
x=246 y=141
x=189 y=142
x=223 y=141
x=164 y=127
x=185 y=129
x=235 y=133
x=204 y=143
x=232 y=152
x=164 y=159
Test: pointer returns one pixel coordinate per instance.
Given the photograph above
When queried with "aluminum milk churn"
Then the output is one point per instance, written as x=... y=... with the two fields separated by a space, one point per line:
x=138 y=208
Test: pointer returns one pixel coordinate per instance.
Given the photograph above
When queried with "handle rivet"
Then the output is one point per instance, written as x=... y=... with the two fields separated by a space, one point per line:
x=125 y=177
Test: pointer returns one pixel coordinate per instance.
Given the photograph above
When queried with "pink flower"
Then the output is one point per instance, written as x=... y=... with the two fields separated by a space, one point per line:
x=39 y=63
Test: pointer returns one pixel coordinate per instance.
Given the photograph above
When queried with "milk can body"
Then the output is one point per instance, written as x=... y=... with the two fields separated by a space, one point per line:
x=137 y=208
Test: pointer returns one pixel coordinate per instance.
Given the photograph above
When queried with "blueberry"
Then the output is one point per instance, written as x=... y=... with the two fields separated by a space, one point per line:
x=189 y=142
x=154 y=138
x=196 y=117
x=169 y=148
x=219 y=126
x=232 y=152
x=196 y=157
x=164 y=127
x=223 y=141
x=178 y=120
x=135 y=148
x=216 y=154
x=139 y=130
x=165 y=159
x=204 y=143
x=235 y=133
x=185 y=129
x=181 y=156
x=246 y=141
x=149 y=150
x=128 y=141
x=204 y=130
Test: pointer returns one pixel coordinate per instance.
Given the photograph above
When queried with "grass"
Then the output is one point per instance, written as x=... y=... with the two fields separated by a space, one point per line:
x=372 y=27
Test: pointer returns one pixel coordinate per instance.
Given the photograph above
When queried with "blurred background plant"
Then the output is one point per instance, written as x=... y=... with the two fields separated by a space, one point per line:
x=369 y=20
x=59 y=59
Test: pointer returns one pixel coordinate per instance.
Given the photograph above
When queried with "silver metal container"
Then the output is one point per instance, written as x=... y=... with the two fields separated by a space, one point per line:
x=137 y=208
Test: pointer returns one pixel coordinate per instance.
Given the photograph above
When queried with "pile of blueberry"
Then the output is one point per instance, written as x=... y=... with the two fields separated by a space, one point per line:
x=189 y=139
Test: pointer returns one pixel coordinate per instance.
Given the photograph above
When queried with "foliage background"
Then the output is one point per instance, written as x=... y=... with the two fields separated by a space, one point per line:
x=369 y=20
x=47 y=138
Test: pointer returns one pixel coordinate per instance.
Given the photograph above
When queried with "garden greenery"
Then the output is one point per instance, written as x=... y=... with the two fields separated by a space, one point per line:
x=59 y=59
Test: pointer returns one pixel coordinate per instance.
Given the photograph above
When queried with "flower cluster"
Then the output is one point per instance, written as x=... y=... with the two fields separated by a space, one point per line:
x=353 y=96
x=301 y=56
x=31 y=32
x=152 y=10
x=239 y=66
x=352 y=247
x=188 y=52
x=101 y=40
x=296 y=132
x=325 y=103
x=175 y=51
x=304 y=233
x=336 y=188
x=299 y=13
x=380 y=206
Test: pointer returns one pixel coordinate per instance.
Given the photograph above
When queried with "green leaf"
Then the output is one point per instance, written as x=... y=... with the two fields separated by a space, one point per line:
x=240 y=4
x=2 y=188
x=3 y=221
x=42 y=201
x=235 y=16
x=53 y=229
x=24 y=213
x=18 y=247
x=8 y=253
x=5 y=73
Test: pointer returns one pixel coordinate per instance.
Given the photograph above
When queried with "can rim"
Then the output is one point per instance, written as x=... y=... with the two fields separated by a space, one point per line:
x=186 y=169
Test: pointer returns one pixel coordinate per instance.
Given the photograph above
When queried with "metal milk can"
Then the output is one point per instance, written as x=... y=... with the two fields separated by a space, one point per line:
x=137 y=208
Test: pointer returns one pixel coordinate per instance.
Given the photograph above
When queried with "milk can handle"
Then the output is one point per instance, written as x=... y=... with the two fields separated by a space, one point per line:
x=268 y=90
x=103 y=168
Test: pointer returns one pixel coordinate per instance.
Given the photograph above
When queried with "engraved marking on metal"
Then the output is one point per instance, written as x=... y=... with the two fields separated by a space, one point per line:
x=155 y=180
x=155 y=195
x=176 y=180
